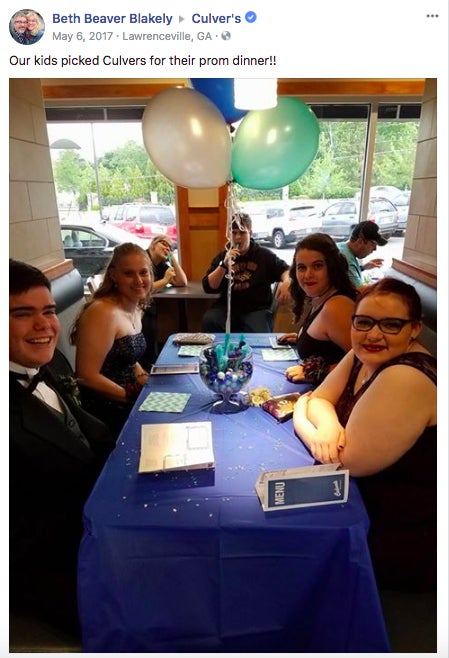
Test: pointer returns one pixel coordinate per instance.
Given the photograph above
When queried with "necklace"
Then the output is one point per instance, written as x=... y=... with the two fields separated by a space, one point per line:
x=317 y=301
x=365 y=378
x=133 y=319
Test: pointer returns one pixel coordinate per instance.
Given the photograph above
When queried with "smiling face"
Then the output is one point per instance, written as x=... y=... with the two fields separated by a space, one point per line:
x=33 y=327
x=20 y=24
x=132 y=275
x=374 y=347
x=31 y=22
x=311 y=272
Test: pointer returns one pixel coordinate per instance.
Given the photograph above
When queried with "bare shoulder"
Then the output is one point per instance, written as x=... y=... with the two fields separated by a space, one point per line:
x=338 y=304
x=100 y=311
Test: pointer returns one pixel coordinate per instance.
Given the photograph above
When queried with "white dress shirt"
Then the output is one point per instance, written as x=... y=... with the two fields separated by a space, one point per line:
x=42 y=391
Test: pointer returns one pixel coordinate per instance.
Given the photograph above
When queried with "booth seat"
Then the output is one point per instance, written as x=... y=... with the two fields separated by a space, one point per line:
x=68 y=291
x=428 y=296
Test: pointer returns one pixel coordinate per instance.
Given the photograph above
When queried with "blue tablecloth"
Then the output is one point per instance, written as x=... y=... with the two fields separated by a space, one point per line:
x=189 y=562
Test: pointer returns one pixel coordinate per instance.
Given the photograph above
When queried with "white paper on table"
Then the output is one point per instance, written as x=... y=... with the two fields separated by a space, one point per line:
x=176 y=446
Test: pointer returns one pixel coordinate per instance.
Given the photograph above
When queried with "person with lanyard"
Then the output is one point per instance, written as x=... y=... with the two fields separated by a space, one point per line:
x=253 y=270
x=376 y=415
x=323 y=303
x=365 y=238
x=166 y=272
x=56 y=452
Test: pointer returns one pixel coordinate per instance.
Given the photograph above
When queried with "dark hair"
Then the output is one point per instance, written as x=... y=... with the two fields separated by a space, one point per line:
x=22 y=277
x=242 y=219
x=391 y=286
x=357 y=232
x=337 y=268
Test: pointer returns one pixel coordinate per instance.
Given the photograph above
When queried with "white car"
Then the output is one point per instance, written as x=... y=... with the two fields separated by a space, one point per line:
x=339 y=219
x=402 y=202
x=282 y=224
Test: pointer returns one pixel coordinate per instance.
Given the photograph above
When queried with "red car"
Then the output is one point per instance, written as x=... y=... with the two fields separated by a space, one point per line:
x=147 y=220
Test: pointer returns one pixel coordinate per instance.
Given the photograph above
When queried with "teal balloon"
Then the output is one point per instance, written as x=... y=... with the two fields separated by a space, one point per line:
x=272 y=148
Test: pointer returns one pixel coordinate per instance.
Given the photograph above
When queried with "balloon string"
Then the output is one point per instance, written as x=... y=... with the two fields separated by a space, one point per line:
x=229 y=275
x=232 y=215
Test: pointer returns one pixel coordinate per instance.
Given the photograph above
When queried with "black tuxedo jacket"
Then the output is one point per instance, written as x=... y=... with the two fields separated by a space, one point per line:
x=52 y=472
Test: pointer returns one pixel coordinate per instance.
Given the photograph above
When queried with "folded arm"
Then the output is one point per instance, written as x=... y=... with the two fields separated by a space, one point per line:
x=317 y=424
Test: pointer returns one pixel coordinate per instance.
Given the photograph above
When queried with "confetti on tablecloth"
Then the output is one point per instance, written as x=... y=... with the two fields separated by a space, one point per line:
x=284 y=354
x=190 y=350
x=169 y=402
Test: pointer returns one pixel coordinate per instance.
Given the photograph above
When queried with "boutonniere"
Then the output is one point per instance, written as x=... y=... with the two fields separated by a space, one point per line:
x=70 y=385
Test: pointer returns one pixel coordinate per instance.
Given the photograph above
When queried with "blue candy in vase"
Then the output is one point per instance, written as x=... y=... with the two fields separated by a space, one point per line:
x=225 y=369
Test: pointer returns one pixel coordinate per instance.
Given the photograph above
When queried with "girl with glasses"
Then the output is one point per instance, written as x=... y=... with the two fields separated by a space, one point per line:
x=375 y=413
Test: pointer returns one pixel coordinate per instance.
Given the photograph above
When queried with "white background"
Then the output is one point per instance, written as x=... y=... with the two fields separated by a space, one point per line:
x=321 y=39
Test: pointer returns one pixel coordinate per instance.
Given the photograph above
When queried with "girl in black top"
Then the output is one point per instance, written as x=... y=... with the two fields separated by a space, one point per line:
x=323 y=298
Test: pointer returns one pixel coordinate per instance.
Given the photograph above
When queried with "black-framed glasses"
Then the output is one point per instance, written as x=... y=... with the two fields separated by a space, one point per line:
x=386 y=325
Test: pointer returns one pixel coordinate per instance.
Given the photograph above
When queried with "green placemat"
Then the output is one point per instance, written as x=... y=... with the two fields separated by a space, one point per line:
x=169 y=402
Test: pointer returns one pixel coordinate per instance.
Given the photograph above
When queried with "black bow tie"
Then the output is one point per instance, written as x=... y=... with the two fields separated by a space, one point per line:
x=33 y=381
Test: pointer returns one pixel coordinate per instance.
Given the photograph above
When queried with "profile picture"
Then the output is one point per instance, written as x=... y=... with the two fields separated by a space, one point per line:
x=26 y=27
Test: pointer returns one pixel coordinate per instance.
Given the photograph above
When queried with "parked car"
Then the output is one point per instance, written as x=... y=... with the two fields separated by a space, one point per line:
x=90 y=246
x=147 y=220
x=381 y=191
x=109 y=212
x=341 y=217
x=281 y=224
x=402 y=202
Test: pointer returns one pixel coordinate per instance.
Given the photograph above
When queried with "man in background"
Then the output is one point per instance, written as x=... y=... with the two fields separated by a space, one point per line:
x=364 y=239
x=253 y=269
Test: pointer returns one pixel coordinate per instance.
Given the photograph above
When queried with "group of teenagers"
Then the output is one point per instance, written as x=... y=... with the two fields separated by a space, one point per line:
x=373 y=408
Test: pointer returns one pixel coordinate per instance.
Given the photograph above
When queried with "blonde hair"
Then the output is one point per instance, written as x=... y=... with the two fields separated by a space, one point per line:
x=40 y=24
x=108 y=287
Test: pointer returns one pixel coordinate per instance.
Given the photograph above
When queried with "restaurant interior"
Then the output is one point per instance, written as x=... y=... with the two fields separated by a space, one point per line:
x=202 y=221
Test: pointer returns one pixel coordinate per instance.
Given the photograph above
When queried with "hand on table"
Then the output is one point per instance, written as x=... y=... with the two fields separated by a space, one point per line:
x=287 y=339
x=295 y=374
x=325 y=448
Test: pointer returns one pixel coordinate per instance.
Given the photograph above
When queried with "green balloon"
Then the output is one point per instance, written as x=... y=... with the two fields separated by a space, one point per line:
x=274 y=147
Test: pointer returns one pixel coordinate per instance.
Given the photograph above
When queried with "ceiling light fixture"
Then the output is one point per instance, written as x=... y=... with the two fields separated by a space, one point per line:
x=255 y=93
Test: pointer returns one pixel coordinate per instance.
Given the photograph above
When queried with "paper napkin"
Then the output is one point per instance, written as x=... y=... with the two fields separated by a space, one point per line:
x=169 y=402
x=284 y=354
x=190 y=350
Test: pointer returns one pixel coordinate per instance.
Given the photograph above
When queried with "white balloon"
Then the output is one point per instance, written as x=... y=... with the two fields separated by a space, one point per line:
x=187 y=138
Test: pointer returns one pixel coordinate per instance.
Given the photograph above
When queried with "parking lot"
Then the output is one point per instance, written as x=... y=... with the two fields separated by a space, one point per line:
x=393 y=249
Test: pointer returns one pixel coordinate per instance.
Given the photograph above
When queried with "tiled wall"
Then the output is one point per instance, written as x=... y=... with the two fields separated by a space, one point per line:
x=420 y=246
x=34 y=234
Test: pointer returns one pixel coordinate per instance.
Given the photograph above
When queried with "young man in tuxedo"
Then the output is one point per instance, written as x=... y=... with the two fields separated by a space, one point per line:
x=56 y=453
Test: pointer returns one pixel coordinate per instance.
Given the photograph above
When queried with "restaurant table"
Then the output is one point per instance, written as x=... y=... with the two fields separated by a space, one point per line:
x=182 y=295
x=187 y=561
